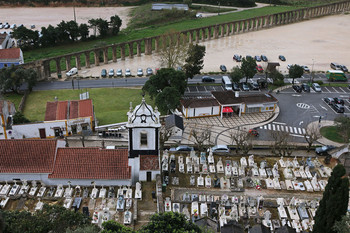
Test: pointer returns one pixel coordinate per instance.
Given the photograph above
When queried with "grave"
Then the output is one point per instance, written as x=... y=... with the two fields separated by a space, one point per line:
x=181 y=168
x=180 y=159
x=189 y=168
x=243 y=162
x=241 y=171
x=200 y=181
x=167 y=204
x=276 y=184
x=176 y=207
x=203 y=158
x=282 y=163
x=192 y=180
x=204 y=209
x=308 y=186
x=186 y=197
x=212 y=168
x=251 y=161
x=175 y=180
x=208 y=181
x=205 y=168
x=220 y=167
x=196 y=168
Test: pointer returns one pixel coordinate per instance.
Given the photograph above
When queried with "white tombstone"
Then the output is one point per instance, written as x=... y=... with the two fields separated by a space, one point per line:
x=212 y=168
x=205 y=168
x=220 y=167
x=200 y=181
x=196 y=168
x=295 y=162
x=243 y=162
x=211 y=158
x=189 y=168
x=192 y=153
x=282 y=163
x=208 y=181
x=181 y=168
x=188 y=160
x=192 y=180
x=251 y=161
x=204 y=209
x=181 y=159
x=167 y=204
x=203 y=158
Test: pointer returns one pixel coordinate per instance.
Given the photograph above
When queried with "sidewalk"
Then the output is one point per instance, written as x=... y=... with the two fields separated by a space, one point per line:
x=323 y=140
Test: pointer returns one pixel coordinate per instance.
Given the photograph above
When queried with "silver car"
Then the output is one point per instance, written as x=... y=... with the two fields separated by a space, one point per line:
x=127 y=72
x=119 y=72
x=139 y=72
x=316 y=87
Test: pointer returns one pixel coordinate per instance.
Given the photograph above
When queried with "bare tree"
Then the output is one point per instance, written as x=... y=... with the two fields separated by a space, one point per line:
x=103 y=143
x=164 y=135
x=83 y=140
x=311 y=135
x=243 y=141
x=201 y=136
x=66 y=140
x=282 y=145
x=173 y=49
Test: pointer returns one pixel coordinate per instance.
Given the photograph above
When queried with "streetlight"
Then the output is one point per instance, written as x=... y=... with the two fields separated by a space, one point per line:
x=312 y=70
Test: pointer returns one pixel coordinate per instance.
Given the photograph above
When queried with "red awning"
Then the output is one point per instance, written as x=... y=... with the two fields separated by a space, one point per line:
x=227 y=109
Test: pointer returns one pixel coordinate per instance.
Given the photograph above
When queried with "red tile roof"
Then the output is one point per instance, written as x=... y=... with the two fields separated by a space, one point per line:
x=58 y=110
x=149 y=162
x=27 y=156
x=12 y=53
x=91 y=163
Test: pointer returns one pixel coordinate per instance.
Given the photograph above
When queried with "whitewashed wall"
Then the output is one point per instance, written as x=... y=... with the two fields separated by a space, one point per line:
x=202 y=111
x=151 y=139
x=32 y=130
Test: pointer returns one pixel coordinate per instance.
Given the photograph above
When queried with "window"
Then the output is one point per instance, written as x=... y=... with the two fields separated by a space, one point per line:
x=143 y=137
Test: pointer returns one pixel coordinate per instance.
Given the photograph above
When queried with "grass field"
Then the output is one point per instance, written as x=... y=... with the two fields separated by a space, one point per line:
x=331 y=133
x=133 y=34
x=110 y=104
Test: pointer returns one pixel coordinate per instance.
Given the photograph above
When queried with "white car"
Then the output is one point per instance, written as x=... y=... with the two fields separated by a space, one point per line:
x=13 y=26
x=127 y=72
x=111 y=73
x=119 y=72
x=306 y=69
x=139 y=72
x=199 y=15
x=72 y=72
x=288 y=66
x=220 y=148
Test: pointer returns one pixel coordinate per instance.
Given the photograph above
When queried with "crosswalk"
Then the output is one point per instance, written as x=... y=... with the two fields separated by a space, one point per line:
x=284 y=128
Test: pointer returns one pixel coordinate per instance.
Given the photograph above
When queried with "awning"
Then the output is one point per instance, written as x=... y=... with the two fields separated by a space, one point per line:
x=227 y=109
x=255 y=106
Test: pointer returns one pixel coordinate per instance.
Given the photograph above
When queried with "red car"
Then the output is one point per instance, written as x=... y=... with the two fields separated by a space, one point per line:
x=259 y=68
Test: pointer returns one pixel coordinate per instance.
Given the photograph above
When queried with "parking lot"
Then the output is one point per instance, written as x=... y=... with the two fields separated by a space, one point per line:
x=205 y=91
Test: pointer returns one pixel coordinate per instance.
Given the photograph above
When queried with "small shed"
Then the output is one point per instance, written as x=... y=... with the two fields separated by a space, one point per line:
x=175 y=124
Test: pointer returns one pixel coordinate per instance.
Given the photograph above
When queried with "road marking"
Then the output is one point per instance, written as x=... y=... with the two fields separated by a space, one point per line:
x=327 y=89
x=296 y=135
x=301 y=122
x=280 y=123
x=269 y=126
x=296 y=95
x=304 y=131
x=299 y=130
x=342 y=89
x=278 y=127
x=287 y=129
x=335 y=90
x=323 y=107
x=291 y=129
x=273 y=127
x=303 y=105
x=344 y=96
x=295 y=130
x=282 y=127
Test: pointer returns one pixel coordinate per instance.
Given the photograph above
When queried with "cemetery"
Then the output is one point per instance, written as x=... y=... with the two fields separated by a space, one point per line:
x=274 y=191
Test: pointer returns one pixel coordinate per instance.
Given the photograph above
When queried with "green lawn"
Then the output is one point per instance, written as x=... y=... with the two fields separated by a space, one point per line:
x=110 y=104
x=128 y=34
x=331 y=133
x=14 y=98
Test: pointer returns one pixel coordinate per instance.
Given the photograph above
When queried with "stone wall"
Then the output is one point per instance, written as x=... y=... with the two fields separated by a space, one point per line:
x=134 y=48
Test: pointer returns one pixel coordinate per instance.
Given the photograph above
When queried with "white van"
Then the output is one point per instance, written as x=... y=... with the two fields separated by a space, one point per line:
x=72 y=72
x=226 y=83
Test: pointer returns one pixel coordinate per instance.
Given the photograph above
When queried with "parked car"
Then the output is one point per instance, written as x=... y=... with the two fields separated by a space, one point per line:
x=305 y=87
x=139 y=72
x=119 y=72
x=337 y=100
x=181 y=148
x=343 y=68
x=223 y=68
x=72 y=72
x=220 y=148
x=7 y=26
x=254 y=86
x=248 y=56
x=208 y=79
x=111 y=73
x=127 y=72
x=245 y=87
x=335 y=66
x=32 y=26
x=297 y=88
x=1 y=26
x=237 y=57
x=288 y=66
x=316 y=87
x=264 y=58
x=199 y=15
x=257 y=58
x=323 y=149
x=235 y=87
x=13 y=26
x=306 y=69
x=338 y=108
x=328 y=100
x=282 y=58
x=104 y=73
x=149 y=71
x=259 y=68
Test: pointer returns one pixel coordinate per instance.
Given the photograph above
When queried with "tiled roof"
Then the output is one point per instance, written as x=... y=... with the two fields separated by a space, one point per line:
x=149 y=162
x=58 y=110
x=27 y=156
x=91 y=163
x=12 y=53
x=196 y=102
x=228 y=97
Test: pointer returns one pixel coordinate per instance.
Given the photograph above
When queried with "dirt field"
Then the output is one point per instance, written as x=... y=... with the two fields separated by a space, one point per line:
x=315 y=43
x=43 y=16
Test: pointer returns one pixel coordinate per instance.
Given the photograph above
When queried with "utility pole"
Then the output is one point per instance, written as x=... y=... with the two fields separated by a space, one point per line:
x=75 y=18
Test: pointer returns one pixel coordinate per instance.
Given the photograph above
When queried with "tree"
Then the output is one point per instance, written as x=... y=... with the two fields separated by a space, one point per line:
x=86 y=229
x=201 y=136
x=112 y=226
x=311 y=135
x=243 y=141
x=115 y=23
x=93 y=25
x=343 y=126
x=295 y=71
x=102 y=26
x=19 y=118
x=164 y=135
x=83 y=31
x=194 y=60
x=282 y=144
x=277 y=78
x=72 y=30
x=248 y=68
x=236 y=75
x=334 y=202
x=49 y=36
x=28 y=38
x=172 y=49
x=13 y=77
x=167 y=88
x=52 y=218
x=342 y=226
x=169 y=222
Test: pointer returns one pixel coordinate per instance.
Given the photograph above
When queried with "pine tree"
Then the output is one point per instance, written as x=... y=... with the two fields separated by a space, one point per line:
x=334 y=203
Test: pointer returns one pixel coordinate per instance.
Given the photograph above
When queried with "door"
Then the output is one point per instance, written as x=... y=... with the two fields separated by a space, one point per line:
x=42 y=133
x=149 y=176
